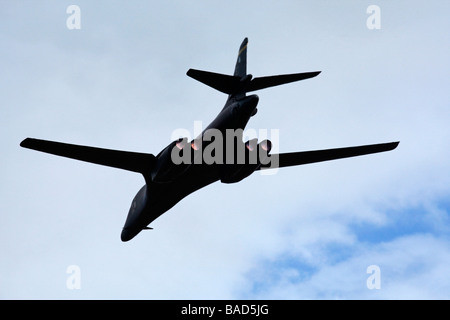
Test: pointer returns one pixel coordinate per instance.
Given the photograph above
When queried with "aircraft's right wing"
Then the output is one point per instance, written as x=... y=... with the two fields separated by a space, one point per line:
x=132 y=161
x=298 y=158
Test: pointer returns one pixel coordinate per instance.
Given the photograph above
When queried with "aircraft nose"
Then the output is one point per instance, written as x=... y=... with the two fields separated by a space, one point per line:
x=126 y=235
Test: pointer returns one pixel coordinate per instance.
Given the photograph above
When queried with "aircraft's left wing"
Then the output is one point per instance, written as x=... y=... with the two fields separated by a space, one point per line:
x=298 y=158
x=132 y=161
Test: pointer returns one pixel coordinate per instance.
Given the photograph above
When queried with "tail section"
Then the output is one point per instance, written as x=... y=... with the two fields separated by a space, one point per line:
x=241 y=64
x=241 y=82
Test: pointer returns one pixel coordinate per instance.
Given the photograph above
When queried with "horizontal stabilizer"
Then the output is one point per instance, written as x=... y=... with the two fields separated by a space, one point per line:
x=271 y=81
x=132 y=161
x=234 y=84
x=222 y=82
x=305 y=157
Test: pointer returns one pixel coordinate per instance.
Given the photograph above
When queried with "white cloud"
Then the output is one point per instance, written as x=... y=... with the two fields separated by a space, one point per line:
x=411 y=267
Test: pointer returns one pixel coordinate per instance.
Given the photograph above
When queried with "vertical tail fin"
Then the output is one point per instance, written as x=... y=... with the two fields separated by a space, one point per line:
x=241 y=64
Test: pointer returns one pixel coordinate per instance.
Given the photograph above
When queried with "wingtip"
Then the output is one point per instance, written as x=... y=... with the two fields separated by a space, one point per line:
x=392 y=145
x=24 y=142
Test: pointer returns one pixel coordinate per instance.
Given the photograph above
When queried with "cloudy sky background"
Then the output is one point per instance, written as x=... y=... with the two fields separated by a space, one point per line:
x=308 y=232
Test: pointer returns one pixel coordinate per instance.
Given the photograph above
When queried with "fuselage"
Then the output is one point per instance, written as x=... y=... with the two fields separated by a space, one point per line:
x=155 y=198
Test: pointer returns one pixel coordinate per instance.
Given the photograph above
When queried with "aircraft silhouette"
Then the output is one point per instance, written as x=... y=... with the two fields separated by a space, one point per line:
x=184 y=167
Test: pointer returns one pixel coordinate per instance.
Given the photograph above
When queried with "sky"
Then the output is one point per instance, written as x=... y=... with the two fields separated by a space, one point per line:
x=371 y=227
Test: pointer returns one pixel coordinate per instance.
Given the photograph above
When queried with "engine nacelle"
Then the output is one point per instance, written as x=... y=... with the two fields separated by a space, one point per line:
x=168 y=165
x=255 y=155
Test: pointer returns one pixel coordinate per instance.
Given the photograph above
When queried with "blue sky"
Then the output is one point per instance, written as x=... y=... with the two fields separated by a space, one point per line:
x=308 y=232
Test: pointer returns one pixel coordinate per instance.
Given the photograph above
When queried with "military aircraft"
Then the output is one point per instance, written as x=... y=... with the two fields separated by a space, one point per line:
x=185 y=166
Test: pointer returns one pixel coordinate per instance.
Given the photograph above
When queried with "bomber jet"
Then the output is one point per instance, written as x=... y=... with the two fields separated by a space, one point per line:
x=217 y=154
